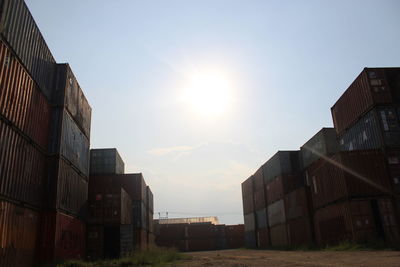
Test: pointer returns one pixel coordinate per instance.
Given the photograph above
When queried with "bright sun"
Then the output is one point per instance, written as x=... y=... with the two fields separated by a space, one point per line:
x=208 y=94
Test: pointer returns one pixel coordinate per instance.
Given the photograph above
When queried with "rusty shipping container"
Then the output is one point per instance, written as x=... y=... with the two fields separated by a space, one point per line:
x=21 y=101
x=149 y=221
x=259 y=190
x=151 y=243
x=349 y=220
x=298 y=204
x=278 y=235
x=379 y=128
x=374 y=86
x=62 y=237
x=170 y=232
x=201 y=231
x=300 y=232
x=263 y=238
x=66 y=188
x=106 y=161
x=276 y=213
x=22 y=168
x=234 y=236
x=140 y=239
x=68 y=94
x=283 y=162
x=322 y=144
x=110 y=208
x=349 y=175
x=67 y=140
x=139 y=211
x=19 y=232
x=281 y=185
x=20 y=31
x=393 y=161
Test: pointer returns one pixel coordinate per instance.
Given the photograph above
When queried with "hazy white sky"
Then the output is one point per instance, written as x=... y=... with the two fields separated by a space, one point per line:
x=286 y=62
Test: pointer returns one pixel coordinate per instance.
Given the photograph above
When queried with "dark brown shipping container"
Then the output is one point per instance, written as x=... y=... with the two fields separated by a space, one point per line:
x=250 y=222
x=66 y=189
x=374 y=86
x=171 y=231
x=258 y=180
x=345 y=221
x=151 y=243
x=95 y=242
x=140 y=239
x=262 y=218
x=21 y=101
x=19 y=29
x=393 y=161
x=348 y=174
x=201 y=231
x=250 y=239
x=150 y=199
x=281 y=185
x=69 y=94
x=248 y=186
x=106 y=161
x=389 y=221
x=201 y=244
x=248 y=204
x=259 y=190
x=62 y=237
x=22 y=168
x=298 y=204
x=234 y=236
x=276 y=213
x=263 y=238
x=283 y=162
x=300 y=232
x=278 y=235
x=19 y=231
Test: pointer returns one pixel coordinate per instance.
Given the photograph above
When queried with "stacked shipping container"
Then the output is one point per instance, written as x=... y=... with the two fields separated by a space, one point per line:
x=249 y=212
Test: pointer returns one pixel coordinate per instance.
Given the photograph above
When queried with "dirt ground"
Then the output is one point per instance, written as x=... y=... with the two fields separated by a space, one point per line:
x=243 y=257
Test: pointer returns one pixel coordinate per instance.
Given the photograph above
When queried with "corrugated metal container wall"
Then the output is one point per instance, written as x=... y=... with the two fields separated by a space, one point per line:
x=300 y=232
x=19 y=231
x=283 y=162
x=389 y=221
x=95 y=242
x=278 y=235
x=126 y=208
x=234 y=236
x=263 y=238
x=249 y=222
x=126 y=240
x=248 y=204
x=66 y=189
x=365 y=166
x=248 y=186
x=378 y=128
x=344 y=221
x=150 y=199
x=262 y=218
x=393 y=160
x=171 y=231
x=62 y=237
x=69 y=141
x=135 y=186
x=69 y=94
x=370 y=88
x=22 y=168
x=140 y=239
x=323 y=143
x=250 y=239
x=259 y=190
x=201 y=231
x=201 y=244
x=282 y=185
x=276 y=213
x=297 y=204
x=106 y=161
x=139 y=214
x=21 y=101
x=21 y=32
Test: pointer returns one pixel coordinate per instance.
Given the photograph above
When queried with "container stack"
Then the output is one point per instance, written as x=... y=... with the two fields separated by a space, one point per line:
x=68 y=171
x=249 y=213
x=261 y=213
x=120 y=206
x=149 y=219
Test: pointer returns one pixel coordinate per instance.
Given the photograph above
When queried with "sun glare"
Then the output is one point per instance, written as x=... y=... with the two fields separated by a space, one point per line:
x=208 y=94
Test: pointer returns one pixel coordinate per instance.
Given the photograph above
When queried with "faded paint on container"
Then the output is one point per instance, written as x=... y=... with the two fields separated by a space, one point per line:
x=278 y=235
x=393 y=161
x=263 y=239
x=323 y=143
x=248 y=186
x=262 y=218
x=21 y=101
x=298 y=204
x=66 y=189
x=283 y=162
x=69 y=141
x=374 y=86
x=22 y=168
x=19 y=231
x=389 y=221
x=62 y=237
x=300 y=232
x=369 y=165
x=378 y=128
x=69 y=94
x=106 y=161
x=248 y=204
x=250 y=239
x=249 y=222
x=276 y=213
x=234 y=236
x=19 y=29
x=344 y=221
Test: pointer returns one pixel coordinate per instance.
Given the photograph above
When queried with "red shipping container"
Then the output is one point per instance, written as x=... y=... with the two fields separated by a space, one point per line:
x=372 y=87
x=22 y=168
x=283 y=184
x=19 y=231
x=263 y=238
x=62 y=237
x=278 y=235
x=234 y=236
x=300 y=232
x=21 y=101
x=274 y=190
x=348 y=174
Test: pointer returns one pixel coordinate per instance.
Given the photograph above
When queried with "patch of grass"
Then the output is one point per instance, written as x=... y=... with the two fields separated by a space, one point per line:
x=359 y=246
x=151 y=257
